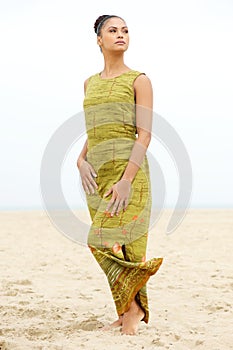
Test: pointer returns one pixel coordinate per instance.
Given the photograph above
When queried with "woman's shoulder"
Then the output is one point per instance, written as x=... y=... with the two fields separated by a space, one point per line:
x=142 y=85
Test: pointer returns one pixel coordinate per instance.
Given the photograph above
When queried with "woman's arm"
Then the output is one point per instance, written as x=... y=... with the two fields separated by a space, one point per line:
x=144 y=114
x=86 y=171
x=83 y=153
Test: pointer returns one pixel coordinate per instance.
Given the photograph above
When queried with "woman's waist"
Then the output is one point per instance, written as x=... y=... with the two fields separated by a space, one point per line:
x=111 y=150
x=110 y=131
x=106 y=145
x=117 y=142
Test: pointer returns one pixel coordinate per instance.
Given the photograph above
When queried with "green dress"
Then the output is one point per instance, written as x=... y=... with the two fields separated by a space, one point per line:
x=118 y=243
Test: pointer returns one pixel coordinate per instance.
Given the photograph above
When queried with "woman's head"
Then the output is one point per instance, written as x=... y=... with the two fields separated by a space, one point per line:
x=112 y=33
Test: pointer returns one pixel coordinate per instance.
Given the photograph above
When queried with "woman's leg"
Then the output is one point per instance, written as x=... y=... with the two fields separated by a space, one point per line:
x=138 y=309
x=132 y=318
x=136 y=251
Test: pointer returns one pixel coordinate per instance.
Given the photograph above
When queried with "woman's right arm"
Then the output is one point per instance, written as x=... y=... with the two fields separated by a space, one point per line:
x=86 y=171
x=83 y=153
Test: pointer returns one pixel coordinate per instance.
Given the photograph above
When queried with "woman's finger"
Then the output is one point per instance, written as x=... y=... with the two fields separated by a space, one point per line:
x=108 y=192
x=111 y=202
x=92 y=181
x=90 y=188
x=85 y=187
x=93 y=173
x=126 y=203
x=119 y=207
x=109 y=205
x=115 y=207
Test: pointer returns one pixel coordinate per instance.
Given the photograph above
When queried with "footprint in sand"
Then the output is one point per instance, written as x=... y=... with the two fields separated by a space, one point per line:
x=24 y=282
x=157 y=342
x=35 y=333
x=217 y=307
x=10 y=293
x=24 y=302
x=89 y=325
x=10 y=289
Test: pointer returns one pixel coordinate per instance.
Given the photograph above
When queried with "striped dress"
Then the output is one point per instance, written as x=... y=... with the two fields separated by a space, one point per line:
x=118 y=243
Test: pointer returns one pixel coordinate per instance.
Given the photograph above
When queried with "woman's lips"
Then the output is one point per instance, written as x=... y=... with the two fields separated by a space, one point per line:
x=120 y=42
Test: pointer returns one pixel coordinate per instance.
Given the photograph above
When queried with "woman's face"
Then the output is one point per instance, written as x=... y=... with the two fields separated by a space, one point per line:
x=114 y=36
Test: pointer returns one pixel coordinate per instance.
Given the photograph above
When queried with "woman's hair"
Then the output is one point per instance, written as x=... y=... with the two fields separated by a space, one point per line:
x=100 y=21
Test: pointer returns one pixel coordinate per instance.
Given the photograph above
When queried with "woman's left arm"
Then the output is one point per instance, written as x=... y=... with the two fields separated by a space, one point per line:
x=144 y=113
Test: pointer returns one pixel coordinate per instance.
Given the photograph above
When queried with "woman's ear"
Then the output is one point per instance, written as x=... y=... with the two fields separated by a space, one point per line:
x=99 y=42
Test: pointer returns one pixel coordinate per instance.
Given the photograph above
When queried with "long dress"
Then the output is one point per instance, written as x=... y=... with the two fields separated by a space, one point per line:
x=118 y=243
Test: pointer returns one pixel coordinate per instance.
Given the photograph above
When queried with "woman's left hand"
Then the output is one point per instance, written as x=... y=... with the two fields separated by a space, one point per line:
x=120 y=196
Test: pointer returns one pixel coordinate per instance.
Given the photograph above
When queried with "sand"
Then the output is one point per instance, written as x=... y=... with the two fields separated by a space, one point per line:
x=54 y=295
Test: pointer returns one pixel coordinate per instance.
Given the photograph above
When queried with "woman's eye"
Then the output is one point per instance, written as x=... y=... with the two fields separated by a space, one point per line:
x=114 y=31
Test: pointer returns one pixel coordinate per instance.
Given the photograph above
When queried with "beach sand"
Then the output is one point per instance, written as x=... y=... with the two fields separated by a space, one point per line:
x=54 y=295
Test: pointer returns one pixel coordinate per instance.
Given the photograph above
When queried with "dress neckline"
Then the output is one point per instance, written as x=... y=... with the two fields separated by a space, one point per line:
x=118 y=76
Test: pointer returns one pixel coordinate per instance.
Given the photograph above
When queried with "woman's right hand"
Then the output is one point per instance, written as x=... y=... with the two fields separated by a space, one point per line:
x=87 y=174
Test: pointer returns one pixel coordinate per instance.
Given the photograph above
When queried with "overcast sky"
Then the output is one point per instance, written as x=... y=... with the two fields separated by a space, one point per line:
x=48 y=49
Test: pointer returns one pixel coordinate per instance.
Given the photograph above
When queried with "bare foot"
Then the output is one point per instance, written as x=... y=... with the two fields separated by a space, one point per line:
x=115 y=324
x=132 y=318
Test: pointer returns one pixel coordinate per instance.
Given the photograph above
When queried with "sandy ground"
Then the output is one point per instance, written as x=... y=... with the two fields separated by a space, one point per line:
x=54 y=295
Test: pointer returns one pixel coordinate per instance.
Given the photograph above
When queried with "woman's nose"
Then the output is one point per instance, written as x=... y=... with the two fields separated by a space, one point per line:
x=120 y=35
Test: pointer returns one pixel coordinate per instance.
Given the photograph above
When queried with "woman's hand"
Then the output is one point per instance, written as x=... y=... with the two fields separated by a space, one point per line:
x=87 y=174
x=120 y=196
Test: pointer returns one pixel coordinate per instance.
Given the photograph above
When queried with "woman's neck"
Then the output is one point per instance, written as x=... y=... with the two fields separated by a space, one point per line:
x=113 y=66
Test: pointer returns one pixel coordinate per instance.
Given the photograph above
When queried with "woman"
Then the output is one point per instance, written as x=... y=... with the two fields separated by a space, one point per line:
x=115 y=175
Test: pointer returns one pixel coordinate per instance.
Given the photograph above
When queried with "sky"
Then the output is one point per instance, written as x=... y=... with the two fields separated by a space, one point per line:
x=48 y=49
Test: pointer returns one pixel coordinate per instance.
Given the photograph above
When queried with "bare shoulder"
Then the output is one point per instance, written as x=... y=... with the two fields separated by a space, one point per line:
x=142 y=82
x=143 y=91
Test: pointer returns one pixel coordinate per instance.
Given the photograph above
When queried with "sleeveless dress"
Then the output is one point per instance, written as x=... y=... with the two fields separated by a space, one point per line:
x=118 y=243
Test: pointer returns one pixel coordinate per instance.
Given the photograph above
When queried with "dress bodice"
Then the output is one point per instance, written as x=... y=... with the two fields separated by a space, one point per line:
x=109 y=106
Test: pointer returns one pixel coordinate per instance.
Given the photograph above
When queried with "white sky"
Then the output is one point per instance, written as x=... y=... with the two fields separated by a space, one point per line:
x=48 y=48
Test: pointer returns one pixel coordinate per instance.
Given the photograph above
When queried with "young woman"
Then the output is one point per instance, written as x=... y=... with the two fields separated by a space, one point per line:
x=115 y=175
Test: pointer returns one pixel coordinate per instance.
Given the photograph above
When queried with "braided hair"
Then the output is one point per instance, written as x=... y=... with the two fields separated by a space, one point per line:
x=100 y=21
